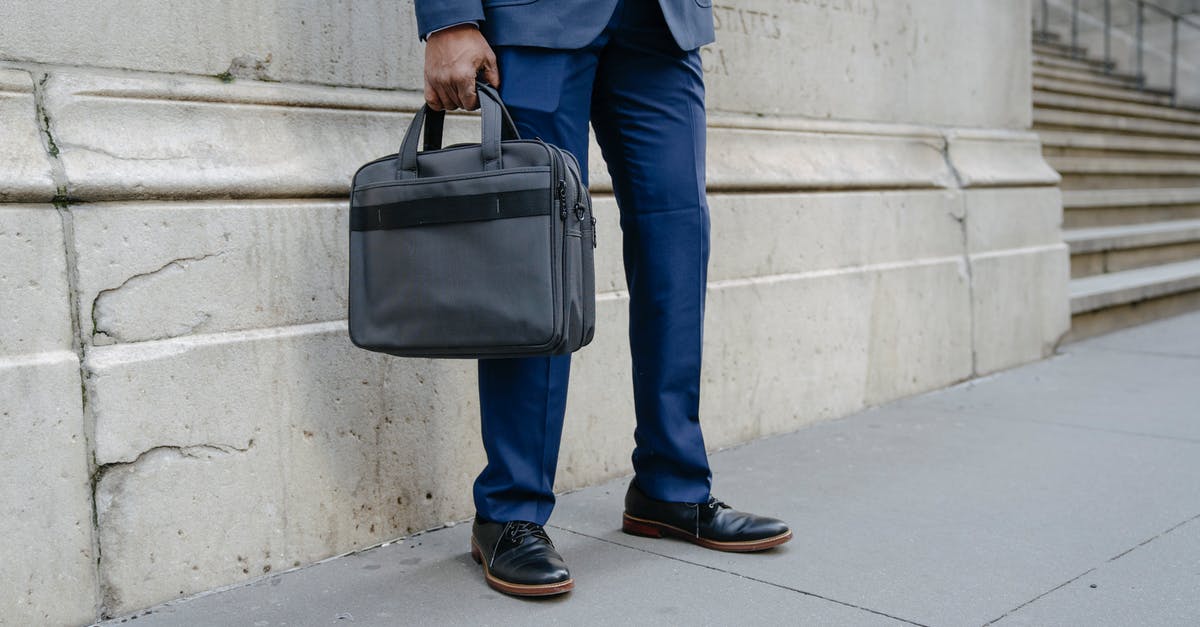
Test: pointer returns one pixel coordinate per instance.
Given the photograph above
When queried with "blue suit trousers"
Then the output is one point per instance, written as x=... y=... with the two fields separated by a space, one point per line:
x=644 y=96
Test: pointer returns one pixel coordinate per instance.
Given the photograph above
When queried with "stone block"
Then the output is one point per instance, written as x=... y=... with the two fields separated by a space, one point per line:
x=947 y=62
x=365 y=43
x=1008 y=218
x=24 y=162
x=48 y=573
x=1021 y=310
x=152 y=271
x=34 y=300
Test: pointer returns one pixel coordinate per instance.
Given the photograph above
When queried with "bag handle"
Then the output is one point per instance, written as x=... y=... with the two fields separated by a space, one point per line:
x=497 y=125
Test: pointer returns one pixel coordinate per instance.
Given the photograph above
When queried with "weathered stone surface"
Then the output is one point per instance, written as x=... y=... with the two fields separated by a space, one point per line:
x=34 y=302
x=368 y=43
x=946 y=63
x=24 y=162
x=48 y=573
x=154 y=271
x=281 y=464
x=315 y=447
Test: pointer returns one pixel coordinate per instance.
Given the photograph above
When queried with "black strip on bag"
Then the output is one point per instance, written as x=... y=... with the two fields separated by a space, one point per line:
x=426 y=211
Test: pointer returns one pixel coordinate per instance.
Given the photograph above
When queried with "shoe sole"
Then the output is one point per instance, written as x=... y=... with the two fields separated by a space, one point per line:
x=652 y=529
x=519 y=589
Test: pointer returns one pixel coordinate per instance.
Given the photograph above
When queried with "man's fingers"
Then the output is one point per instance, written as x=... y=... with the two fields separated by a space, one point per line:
x=431 y=98
x=445 y=96
x=491 y=72
x=467 y=96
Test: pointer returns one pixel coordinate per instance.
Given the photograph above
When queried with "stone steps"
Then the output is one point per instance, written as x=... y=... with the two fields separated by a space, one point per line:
x=1057 y=119
x=1130 y=166
x=1091 y=104
x=1125 y=173
x=1108 y=249
x=1060 y=143
x=1098 y=292
x=1065 y=63
x=1102 y=92
x=1099 y=208
x=1088 y=77
x=1066 y=52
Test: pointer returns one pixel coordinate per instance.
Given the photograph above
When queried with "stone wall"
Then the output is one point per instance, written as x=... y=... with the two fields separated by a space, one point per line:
x=181 y=404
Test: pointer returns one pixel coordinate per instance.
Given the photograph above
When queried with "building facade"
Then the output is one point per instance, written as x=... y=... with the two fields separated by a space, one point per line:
x=182 y=406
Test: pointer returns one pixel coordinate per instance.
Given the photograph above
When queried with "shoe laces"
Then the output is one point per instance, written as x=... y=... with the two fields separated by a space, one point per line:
x=715 y=503
x=520 y=529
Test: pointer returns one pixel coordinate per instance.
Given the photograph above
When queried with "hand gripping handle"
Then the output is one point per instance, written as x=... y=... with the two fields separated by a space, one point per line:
x=497 y=125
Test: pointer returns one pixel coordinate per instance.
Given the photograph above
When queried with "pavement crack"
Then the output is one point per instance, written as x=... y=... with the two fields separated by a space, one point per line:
x=1093 y=569
x=743 y=576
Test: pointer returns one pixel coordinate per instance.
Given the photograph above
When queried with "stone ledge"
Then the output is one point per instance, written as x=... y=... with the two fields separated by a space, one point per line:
x=293 y=140
x=25 y=174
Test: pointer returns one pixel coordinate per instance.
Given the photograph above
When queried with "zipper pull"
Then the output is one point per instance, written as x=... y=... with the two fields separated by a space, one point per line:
x=580 y=211
x=593 y=231
x=562 y=199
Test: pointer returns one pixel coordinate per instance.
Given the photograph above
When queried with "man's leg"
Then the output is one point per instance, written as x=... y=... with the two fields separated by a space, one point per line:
x=522 y=401
x=648 y=112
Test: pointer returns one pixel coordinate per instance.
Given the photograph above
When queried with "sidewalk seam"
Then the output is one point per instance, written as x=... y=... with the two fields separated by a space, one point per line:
x=1130 y=351
x=1092 y=570
x=1067 y=425
x=742 y=576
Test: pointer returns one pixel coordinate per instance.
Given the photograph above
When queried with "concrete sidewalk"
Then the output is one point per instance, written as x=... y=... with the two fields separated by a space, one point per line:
x=1062 y=493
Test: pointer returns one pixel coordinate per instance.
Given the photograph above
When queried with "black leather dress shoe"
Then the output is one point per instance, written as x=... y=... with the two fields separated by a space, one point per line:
x=518 y=558
x=712 y=525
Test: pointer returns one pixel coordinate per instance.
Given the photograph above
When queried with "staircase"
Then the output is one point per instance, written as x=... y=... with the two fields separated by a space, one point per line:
x=1130 y=163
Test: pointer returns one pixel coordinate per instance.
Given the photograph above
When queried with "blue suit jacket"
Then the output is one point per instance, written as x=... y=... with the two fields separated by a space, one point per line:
x=562 y=24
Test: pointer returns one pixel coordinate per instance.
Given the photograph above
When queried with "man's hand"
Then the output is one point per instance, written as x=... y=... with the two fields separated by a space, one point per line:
x=453 y=58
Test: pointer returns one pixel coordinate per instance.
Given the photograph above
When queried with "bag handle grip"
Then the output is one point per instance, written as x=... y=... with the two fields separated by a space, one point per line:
x=497 y=125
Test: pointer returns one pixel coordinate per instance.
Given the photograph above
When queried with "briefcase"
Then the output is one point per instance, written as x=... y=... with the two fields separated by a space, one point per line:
x=473 y=250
